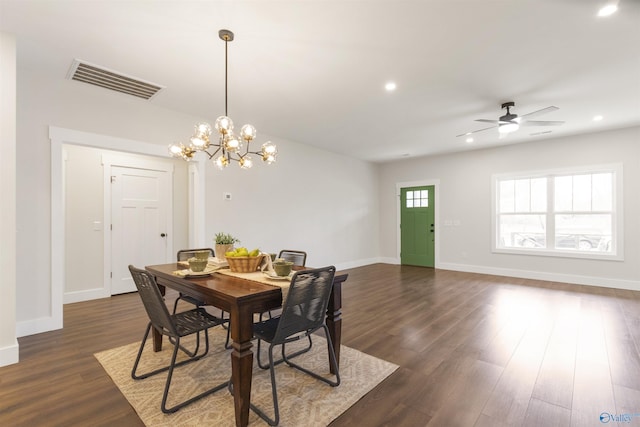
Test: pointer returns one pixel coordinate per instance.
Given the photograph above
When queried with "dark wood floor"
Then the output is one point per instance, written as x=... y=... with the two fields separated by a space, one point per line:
x=473 y=350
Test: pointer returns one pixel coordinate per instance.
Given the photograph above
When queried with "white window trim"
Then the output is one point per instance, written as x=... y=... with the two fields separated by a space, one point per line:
x=617 y=253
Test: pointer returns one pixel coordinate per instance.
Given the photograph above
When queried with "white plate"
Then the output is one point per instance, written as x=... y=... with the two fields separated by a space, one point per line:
x=274 y=276
x=206 y=272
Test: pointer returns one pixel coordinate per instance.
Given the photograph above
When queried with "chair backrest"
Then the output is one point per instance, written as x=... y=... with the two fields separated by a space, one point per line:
x=306 y=304
x=297 y=257
x=153 y=301
x=185 y=254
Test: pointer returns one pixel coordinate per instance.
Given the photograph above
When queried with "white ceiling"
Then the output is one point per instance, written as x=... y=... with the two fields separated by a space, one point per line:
x=313 y=71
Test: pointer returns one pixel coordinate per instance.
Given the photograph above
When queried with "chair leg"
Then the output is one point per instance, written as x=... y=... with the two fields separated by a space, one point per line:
x=175 y=304
x=135 y=376
x=291 y=356
x=224 y=325
x=165 y=394
x=274 y=394
x=332 y=361
x=135 y=364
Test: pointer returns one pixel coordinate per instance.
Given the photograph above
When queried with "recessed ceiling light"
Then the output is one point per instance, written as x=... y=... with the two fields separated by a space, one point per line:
x=597 y=118
x=469 y=140
x=608 y=9
x=390 y=86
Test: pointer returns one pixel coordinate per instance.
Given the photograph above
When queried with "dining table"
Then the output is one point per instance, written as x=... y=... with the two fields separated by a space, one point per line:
x=241 y=298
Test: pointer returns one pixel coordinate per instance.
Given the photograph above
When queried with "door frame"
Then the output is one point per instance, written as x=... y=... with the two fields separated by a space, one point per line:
x=436 y=214
x=60 y=136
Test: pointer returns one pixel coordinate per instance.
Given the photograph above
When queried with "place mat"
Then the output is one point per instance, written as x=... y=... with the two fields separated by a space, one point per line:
x=304 y=401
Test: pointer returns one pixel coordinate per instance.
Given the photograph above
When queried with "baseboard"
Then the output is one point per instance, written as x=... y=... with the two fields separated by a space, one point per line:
x=37 y=326
x=86 y=295
x=632 y=285
x=357 y=263
x=9 y=354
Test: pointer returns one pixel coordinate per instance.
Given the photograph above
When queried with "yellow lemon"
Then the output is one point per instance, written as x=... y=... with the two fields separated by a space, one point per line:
x=254 y=252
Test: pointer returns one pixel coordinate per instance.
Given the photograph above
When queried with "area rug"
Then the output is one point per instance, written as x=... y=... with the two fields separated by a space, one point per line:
x=303 y=400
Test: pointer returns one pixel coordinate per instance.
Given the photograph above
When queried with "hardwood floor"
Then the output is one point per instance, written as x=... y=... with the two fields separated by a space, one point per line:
x=473 y=350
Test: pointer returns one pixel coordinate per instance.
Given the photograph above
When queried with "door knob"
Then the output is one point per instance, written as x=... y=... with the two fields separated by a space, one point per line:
x=163 y=235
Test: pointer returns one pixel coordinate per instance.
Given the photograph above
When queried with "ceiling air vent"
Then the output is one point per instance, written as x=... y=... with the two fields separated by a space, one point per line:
x=109 y=79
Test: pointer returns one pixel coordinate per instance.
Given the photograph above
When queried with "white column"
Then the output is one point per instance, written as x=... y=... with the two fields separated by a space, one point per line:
x=8 y=338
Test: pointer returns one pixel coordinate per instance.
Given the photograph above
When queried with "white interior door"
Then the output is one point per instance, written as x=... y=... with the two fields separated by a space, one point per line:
x=139 y=206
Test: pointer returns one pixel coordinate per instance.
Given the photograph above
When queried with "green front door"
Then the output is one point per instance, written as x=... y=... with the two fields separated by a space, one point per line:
x=417 y=226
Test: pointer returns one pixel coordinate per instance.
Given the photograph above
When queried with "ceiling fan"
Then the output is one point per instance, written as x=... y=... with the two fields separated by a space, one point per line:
x=511 y=122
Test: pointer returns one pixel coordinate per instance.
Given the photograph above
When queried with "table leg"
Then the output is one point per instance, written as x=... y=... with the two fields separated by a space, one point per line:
x=241 y=362
x=334 y=316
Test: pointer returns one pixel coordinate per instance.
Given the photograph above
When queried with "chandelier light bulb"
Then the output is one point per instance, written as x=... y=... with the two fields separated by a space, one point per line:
x=246 y=162
x=268 y=158
x=203 y=129
x=199 y=142
x=269 y=148
x=176 y=150
x=248 y=132
x=232 y=143
x=222 y=162
x=224 y=125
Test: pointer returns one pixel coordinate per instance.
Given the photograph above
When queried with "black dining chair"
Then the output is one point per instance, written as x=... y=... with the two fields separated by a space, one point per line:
x=303 y=313
x=184 y=255
x=175 y=326
x=298 y=258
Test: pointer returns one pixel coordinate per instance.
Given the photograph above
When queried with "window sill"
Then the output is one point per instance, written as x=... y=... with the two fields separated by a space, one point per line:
x=560 y=254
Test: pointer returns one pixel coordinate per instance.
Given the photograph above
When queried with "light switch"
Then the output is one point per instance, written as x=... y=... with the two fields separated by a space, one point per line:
x=97 y=226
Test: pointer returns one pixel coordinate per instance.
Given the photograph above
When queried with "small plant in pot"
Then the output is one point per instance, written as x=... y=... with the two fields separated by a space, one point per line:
x=224 y=243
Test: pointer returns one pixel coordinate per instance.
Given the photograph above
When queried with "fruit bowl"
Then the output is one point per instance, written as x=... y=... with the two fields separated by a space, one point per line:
x=244 y=264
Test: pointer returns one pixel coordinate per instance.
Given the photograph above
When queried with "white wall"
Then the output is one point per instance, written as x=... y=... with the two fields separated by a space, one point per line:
x=8 y=342
x=310 y=199
x=465 y=196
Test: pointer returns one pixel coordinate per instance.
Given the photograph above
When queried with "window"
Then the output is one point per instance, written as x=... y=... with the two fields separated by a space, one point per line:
x=570 y=213
x=418 y=199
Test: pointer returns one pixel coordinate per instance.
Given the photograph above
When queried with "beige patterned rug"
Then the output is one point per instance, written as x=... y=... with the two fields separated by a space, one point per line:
x=303 y=400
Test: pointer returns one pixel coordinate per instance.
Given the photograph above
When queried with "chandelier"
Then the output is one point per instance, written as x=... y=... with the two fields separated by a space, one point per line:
x=229 y=146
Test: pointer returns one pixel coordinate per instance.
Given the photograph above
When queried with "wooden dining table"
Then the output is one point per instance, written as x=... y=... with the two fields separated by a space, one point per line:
x=241 y=298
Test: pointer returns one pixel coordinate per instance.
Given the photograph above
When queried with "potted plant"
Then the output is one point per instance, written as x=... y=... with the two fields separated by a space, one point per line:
x=224 y=243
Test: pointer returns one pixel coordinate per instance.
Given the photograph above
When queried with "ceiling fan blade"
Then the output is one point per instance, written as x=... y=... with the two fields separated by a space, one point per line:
x=539 y=112
x=475 y=131
x=541 y=123
x=544 y=132
x=487 y=121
